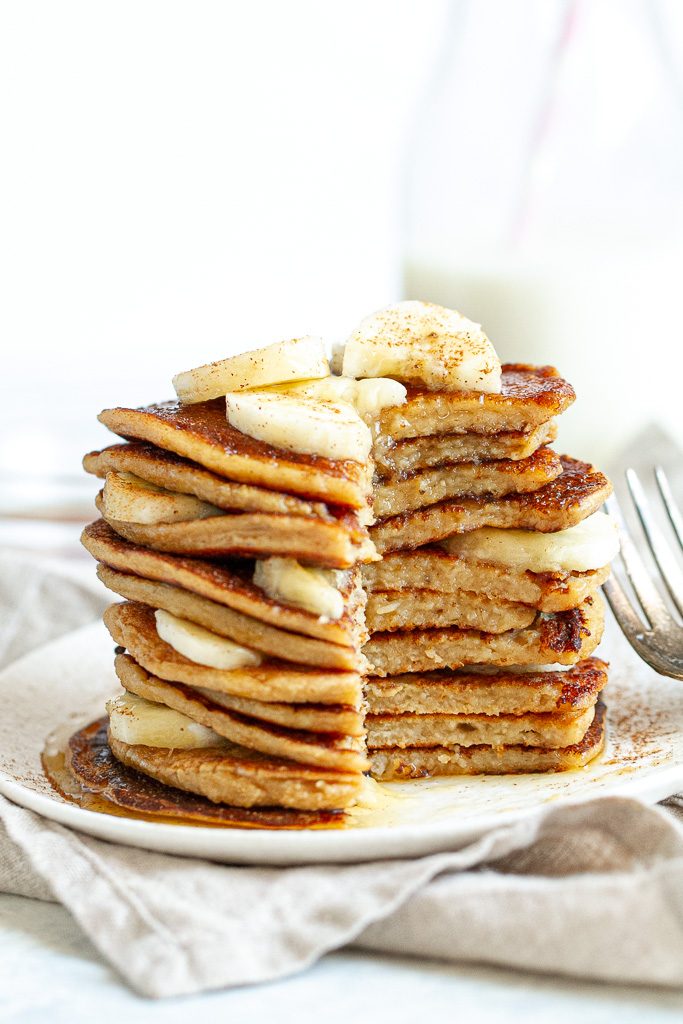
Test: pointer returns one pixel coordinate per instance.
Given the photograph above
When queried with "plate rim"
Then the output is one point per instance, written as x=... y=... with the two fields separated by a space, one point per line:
x=306 y=846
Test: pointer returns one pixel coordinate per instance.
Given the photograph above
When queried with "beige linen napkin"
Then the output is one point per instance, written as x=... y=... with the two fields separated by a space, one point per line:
x=595 y=891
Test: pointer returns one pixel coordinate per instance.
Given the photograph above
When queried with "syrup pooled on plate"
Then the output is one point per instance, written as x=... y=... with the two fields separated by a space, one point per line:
x=87 y=774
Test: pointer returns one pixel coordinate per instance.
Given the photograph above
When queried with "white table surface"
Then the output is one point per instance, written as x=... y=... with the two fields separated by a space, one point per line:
x=49 y=972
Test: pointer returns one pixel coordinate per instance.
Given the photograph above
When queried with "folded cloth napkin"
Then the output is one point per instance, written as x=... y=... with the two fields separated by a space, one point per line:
x=594 y=891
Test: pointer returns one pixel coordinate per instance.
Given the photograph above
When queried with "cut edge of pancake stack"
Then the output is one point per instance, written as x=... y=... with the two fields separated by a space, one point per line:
x=484 y=610
x=236 y=524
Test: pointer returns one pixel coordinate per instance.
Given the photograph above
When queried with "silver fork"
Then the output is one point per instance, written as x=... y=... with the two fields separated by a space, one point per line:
x=656 y=636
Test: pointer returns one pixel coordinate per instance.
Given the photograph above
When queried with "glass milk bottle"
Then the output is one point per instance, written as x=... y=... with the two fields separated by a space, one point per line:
x=545 y=200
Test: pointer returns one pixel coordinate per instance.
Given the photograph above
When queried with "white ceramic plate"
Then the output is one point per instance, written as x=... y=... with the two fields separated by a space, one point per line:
x=66 y=682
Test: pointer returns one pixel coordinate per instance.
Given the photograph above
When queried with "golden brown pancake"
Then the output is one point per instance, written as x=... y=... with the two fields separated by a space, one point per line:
x=164 y=469
x=225 y=583
x=201 y=432
x=393 y=764
x=530 y=395
x=562 y=503
x=474 y=479
x=333 y=718
x=395 y=458
x=564 y=638
x=243 y=629
x=432 y=568
x=252 y=782
x=327 y=750
x=251 y=534
x=389 y=610
x=496 y=691
x=527 y=730
x=132 y=626
x=238 y=776
x=156 y=653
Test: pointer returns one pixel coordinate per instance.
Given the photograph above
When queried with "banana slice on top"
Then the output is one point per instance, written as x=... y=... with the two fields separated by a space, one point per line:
x=333 y=430
x=368 y=397
x=425 y=345
x=296 y=359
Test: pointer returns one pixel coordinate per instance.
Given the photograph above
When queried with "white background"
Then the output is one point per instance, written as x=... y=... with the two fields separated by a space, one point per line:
x=180 y=180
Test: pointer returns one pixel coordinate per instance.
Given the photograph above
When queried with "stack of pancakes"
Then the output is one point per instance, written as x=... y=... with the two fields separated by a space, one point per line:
x=479 y=666
x=463 y=663
x=207 y=502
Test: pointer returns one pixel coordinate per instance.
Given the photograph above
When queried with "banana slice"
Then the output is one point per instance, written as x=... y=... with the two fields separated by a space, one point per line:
x=325 y=389
x=202 y=646
x=286 y=580
x=377 y=393
x=425 y=345
x=297 y=359
x=368 y=397
x=299 y=424
x=130 y=499
x=137 y=721
x=591 y=544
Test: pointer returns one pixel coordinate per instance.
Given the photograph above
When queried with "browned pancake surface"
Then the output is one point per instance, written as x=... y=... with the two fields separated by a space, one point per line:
x=225 y=582
x=164 y=469
x=432 y=568
x=467 y=730
x=497 y=691
x=530 y=395
x=132 y=625
x=564 y=638
x=394 y=458
x=493 y=479
x=393 y=764
x=579 y=491
x=201 y=432
x=326 y=750
x=242 y=629
x=226 y=770
x=250 y=535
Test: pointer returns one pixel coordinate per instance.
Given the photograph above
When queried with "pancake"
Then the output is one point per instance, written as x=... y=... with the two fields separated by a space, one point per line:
x=394 y=764
x=432 y=568
x=224 y=775
x=152 y=653
x=250 y=534
x=564 y=638
x=327 y=750
x=500 y=691
x=493 y=479
x=243 y=629
x=526 y=730
x=389 y=610
x=132 y=625
x=530 y=396
x=225 y=583
x=333 y=718
x=562 y=503
x=395 y=458
x=201 y=432
x=164 y=469
x=238 y=776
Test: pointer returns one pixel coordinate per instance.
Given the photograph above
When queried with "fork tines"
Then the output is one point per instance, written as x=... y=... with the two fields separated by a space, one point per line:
x=659 y=639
